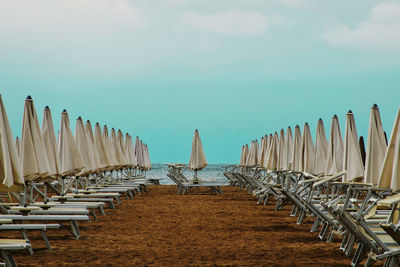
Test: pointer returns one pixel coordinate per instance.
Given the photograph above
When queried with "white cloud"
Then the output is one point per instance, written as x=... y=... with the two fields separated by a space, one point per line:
x=382 y=30
x=230 y=22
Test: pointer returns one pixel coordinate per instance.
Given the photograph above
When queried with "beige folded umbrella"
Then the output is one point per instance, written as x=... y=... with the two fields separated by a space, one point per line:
x=197 y=157
x=271 y=161
x=117 y=149
x=334 y=160
x=130 y=151
x=252 y=157
x=307 y=150
x=126 y=150
x=352 y=161
x=389 y=176
x=260 y=150
x=147 y=158
x=17 y=146
x=97 y=165
x=263 y=150
x=282 y=151
x=121 y=149
x=82 y=144
x=110 y=150
x=10 y=166
x=50 y=143
x=376 y=147
x=101 y=148
x=288 y=149
x=296 y=158
x=71 y=162
x=321 y=149
x=33 y=155
x=243 y=156
x=139 y=153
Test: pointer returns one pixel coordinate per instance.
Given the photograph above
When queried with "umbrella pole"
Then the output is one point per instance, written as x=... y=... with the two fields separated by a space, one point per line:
x=45 y=193
x=195 y=179
x=62 y=186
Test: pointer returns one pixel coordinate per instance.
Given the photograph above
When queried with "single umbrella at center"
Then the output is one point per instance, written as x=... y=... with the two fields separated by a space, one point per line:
x=197 y=157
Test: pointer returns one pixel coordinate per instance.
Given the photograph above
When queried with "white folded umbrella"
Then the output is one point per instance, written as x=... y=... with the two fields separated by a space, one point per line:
x=376 y=147
x=131 y=150
x=263 y=150
x=50 y=143
x=321 y=149
x=252 y=159
x=110 y=150
x=71 y=162
x=389 y=176
x=352 y=161
x=117 y=149
x=101 y=148
x=17 y=146
x=307 y=150
x=33 y=155
x=147 y=164
x=139 y=153
x=334 y=160
x=121 y=149
x=282 y=151
x=82 y=144
x=288 y=149
x=10 y=166
x=296 y=158
x=97 y=166
x=197 y=157
x=272 y=155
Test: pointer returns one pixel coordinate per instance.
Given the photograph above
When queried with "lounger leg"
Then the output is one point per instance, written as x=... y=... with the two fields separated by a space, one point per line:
x=358 y=256
x=8 y=258
x=93 y=213
x=316 y=224
x=293 y=213
x=46 y=240
x=344 y=242
x=25 y=236
x=323 y=231
x=111 y=204
x=130 y=194
x=301 y=217
x=349 y=246
x=101 y=210
x=74 y=230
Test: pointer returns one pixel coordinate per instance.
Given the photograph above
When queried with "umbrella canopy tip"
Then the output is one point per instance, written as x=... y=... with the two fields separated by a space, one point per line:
x=64 y=110
x=28 y=97
x=79 y=118
x=88 y=121
x=297 y=126
x=46 y=108
x=375 y=106
x=320 y=119
x=97 y=123
x=335 y=116
x=306 y=123
x=349 y=112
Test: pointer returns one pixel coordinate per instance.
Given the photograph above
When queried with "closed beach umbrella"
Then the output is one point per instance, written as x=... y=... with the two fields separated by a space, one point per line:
x=263 y=150
x=197 y=157
x=147 y=158
x=121 y=148
x=352 y=161
x=139 y=153
x=282 y=151
x=83 y=147
x=117 y=149
x=101 y=148
x=71 y=161
x=50 y=143
x=260 y=150
x=288 y=148
x=244 y=155
x=334 y=160
x=131 y=150
x=307 y=150
x=272 y=156
x=110 y=150
x=390 y=173
x=17 y=146
x=97 y=166
x=252 y=157
x=296 y=158
x=376 y=147
x=321 y=149
x=10 y=166
x=33 y=156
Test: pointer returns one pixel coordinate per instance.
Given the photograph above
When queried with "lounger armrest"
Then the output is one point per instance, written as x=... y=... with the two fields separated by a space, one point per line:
x=329 y=179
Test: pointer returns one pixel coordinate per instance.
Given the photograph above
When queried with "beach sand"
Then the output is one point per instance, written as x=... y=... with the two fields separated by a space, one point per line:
x=165 y=229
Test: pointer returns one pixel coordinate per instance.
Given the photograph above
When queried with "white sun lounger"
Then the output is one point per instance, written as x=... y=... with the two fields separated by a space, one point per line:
x=9 y=245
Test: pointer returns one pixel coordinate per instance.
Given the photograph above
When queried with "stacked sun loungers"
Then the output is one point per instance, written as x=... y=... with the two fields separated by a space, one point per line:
x=348 y=197
x=48 y=185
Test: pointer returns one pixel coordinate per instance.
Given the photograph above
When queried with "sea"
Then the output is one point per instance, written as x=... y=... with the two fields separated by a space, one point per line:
x=213 y=172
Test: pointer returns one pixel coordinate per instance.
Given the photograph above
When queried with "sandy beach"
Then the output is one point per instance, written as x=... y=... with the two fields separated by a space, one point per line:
x=165 y=229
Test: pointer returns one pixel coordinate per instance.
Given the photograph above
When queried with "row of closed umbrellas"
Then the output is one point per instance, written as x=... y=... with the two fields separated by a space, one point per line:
x=378 y=165
x=38 y=155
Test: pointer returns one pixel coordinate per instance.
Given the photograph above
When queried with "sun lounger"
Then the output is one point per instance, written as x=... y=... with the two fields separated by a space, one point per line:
x=7 y=246
x=72 y=219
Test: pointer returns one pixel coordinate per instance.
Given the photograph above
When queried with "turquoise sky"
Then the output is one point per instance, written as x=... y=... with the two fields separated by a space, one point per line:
x=234 y=69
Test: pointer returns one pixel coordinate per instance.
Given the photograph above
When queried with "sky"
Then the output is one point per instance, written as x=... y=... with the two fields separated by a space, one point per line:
x=234 y=69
